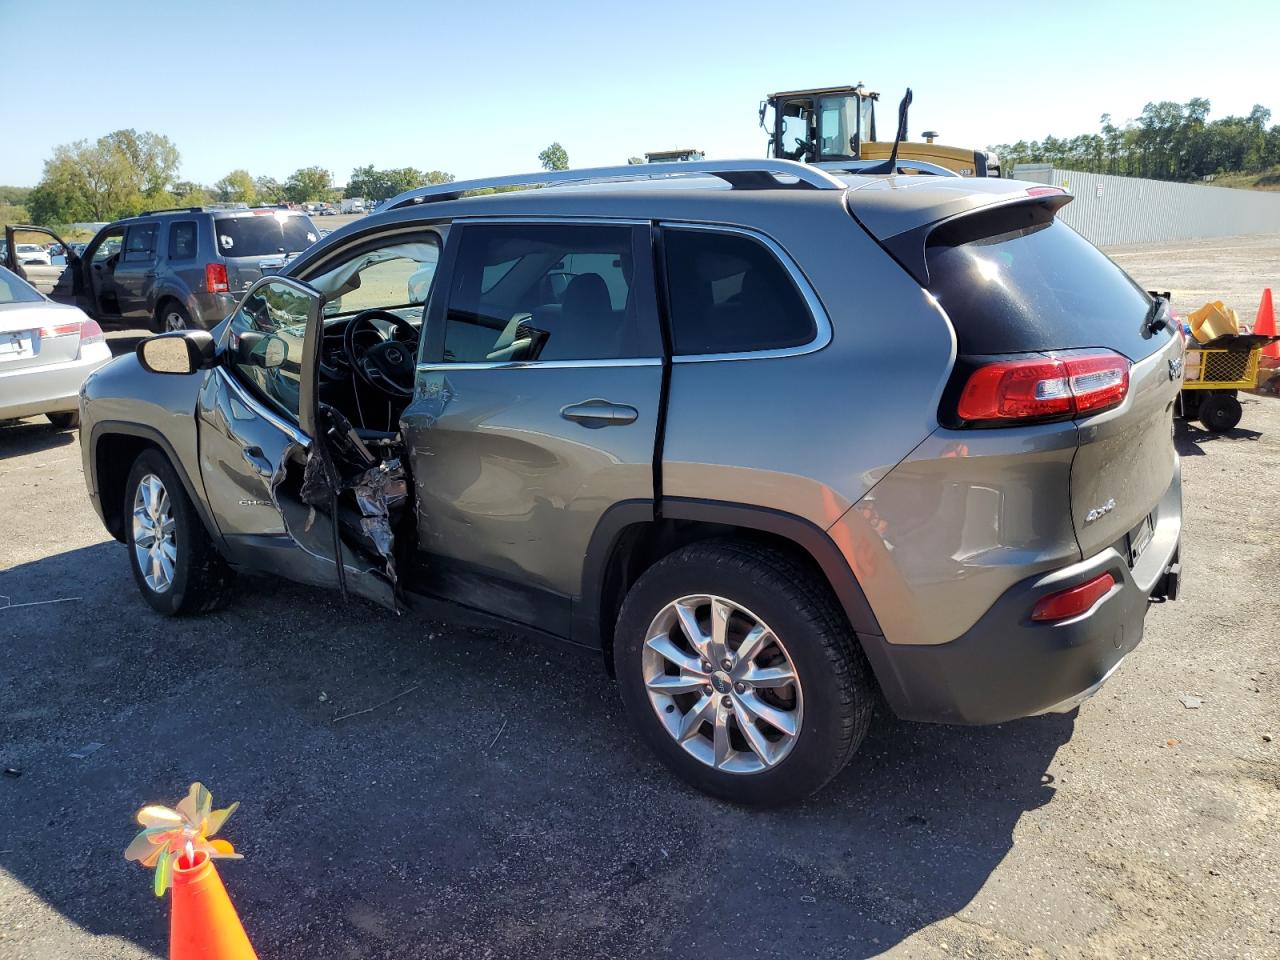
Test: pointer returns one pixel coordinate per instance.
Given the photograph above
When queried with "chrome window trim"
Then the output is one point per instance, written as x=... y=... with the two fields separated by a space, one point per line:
x=539 y=364
x=257 y=407
x=821 y=320
x=532 y=219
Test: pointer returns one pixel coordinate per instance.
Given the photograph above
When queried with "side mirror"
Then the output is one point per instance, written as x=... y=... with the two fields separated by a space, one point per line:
x=264 y=350
x=183 y=352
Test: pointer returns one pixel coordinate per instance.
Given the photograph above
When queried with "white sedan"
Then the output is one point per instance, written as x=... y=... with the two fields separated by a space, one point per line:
x=46 y=351
x=33 y=253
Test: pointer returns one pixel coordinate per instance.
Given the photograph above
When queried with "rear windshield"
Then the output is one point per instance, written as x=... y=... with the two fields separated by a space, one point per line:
x=1038 y=286
x=13 y=289
x=263 y=235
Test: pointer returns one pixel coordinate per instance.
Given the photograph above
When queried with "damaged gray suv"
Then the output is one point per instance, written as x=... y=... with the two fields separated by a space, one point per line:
x=775 y=441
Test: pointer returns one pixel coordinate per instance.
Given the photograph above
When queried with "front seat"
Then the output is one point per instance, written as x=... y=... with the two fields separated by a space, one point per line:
x=587 y=328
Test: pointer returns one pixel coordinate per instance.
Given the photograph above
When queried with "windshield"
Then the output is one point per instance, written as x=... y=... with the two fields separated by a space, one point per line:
x=13 y=289
x=262 y=235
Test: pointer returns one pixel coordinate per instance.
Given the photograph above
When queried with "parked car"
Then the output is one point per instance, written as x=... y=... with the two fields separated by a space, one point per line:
x=772 y=445
x=169 y=269
x=32 y=253
x=46 y=351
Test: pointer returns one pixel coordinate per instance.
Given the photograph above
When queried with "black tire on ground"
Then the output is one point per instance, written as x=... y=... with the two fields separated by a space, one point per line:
x=799 y=606
x=64 y=421
x=169 y=315
x=1219 y=412
x=201 y=577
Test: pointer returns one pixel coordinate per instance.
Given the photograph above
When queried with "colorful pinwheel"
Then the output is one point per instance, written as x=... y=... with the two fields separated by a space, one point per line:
x=169 y=833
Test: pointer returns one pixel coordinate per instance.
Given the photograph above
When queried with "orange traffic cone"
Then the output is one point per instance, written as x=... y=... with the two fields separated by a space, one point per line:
x=1266 y=325
x=205 y=925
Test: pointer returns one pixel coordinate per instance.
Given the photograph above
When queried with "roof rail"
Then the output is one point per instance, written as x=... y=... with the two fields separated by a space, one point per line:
x=904 y=163
x=742 y=174
x=148 y=213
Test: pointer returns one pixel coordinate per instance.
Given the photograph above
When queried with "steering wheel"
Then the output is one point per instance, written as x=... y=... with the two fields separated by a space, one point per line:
x=388 y=365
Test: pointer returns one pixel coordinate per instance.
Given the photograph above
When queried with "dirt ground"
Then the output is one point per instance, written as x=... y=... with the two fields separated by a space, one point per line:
x=500 y=807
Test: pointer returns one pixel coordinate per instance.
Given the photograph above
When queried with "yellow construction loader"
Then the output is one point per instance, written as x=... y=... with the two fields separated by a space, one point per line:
x=838 y=124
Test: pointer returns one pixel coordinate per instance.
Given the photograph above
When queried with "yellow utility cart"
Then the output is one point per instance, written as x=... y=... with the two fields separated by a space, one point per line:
x=1211 y=375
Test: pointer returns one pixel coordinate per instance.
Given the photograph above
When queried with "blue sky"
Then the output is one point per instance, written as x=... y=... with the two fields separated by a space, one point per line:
x=480 y=88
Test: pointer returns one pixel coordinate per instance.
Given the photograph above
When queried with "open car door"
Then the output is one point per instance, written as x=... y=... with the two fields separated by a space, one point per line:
x=293 y=485
x=62 y=282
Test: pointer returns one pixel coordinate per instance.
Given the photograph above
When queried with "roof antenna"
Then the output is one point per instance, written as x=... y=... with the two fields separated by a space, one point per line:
x=891 y=165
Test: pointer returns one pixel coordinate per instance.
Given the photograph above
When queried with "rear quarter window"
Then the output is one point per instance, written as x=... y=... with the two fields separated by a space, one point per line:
x=728 y=293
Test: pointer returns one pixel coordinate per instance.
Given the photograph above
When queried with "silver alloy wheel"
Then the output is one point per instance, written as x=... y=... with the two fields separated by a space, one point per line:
x=722 y=684
x=173 y=320
x=154 y=545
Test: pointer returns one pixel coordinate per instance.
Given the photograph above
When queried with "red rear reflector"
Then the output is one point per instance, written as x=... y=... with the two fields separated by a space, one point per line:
x=90 y=332
x=1045 y=191
x=1043 y=387
x=61 y=330
x=215 y=278
x=1071 y=603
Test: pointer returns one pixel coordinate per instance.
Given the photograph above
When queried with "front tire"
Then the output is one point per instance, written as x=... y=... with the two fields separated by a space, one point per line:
x=738 y=668
x=64 y=421
x=173 y=560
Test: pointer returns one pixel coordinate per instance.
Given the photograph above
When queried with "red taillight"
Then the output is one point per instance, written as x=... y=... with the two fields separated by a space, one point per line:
x=215 y=278
x=1044 y=387
x=90 y=332
x=61 y=330
x=1071 y=603
x=1044 y=191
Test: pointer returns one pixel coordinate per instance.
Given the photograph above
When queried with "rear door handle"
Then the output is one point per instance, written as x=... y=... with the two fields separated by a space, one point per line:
x=256 y=459
x=599 y=413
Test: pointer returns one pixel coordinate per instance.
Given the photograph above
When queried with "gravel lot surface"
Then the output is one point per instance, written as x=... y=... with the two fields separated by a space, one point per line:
x=501 y=808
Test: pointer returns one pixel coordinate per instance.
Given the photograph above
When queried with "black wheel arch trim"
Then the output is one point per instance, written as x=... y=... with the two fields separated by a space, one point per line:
x=812 y=539
x=105 y=428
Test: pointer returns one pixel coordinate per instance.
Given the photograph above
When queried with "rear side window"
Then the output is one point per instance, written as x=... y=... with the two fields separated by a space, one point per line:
x=1014 y=286
x=728 y=293
x=140 y=242
x=526 y=292
x=265 y=234
x=182 y=240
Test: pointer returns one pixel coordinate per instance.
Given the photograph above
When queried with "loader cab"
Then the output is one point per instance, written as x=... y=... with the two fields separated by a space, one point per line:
x=822 y=124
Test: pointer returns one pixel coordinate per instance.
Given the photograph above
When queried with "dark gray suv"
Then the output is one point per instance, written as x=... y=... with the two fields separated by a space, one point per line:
x=170 y=269
x=777 y=441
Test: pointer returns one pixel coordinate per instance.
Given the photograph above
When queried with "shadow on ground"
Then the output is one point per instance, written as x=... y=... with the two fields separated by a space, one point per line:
x=499 y=808
x=19 y=437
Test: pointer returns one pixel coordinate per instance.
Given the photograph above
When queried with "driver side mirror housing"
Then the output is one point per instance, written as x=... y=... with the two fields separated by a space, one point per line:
x=182 y=352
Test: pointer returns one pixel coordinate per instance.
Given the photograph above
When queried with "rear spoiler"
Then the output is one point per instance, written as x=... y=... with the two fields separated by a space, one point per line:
x=950 y=211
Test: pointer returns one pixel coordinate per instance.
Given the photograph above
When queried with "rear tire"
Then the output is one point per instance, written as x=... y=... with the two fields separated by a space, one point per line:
x=829 y=704
x=1220 y=412
x=171 y=316
x=173 y=560
x=64 y=421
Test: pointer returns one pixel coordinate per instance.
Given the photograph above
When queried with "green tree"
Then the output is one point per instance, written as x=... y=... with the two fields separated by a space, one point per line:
x=114 y=176
x=268 y=190
x=307 y=184
x=555 y=157
x=373 y=184
x=237 y=187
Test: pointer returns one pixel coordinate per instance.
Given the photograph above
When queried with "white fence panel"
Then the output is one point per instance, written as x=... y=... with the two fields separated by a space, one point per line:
x=1110 y=211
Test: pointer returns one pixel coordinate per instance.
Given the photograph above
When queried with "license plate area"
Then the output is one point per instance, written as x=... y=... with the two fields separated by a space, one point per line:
x=1140 y=538
x=15 y=346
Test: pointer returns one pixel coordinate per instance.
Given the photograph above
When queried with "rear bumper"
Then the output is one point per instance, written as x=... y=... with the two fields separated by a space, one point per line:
x=1007 y=666
x=48 y=388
